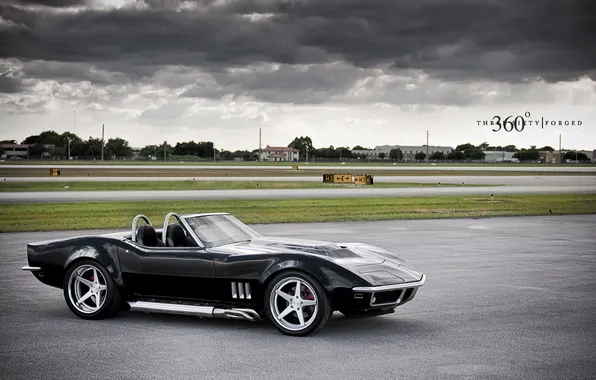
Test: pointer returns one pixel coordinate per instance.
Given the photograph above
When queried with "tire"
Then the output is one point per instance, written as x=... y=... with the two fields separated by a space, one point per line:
x=315 y=314
x=96 y=280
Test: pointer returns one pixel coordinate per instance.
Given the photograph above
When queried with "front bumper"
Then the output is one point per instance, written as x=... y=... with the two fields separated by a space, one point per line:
x=387 y=295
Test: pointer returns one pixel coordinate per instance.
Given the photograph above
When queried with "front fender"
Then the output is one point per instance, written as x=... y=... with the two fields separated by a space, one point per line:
x=331 y=275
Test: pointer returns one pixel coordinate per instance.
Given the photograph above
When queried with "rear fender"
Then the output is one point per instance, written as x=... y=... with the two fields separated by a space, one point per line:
x=106 y=254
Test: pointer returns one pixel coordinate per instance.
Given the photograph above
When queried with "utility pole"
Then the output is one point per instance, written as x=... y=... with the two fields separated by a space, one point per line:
x=68 y=139
x=260 y=150
x=102 y=139
x=74 y=121
x=560 y=156
x=427 y=146
x=165 y=155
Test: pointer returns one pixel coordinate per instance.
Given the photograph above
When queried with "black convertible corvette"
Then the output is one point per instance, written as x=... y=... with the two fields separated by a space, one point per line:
x=213 y=265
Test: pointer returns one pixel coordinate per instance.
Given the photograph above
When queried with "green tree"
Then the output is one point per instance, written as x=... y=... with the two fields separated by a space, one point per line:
x=420 y=156
x=465 y=147
x=456 y=155
x=396 y=154
x=303 y=144
x=117 y=147
x=437 y=156
x=382 y=155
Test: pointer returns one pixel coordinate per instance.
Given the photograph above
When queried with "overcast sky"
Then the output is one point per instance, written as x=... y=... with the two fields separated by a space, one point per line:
x=344 y=72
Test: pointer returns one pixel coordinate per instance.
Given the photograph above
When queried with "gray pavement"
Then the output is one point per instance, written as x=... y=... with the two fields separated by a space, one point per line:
x=302 y=166
x=162 y=195
x=568 y=180
x=505 y=298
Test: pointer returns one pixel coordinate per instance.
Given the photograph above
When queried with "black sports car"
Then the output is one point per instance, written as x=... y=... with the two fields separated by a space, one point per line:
x=213 y=265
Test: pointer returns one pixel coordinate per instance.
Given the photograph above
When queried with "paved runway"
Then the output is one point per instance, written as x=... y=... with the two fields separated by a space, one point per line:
x=162 y=195
x=505 y=298
x=302 y=166
x=484 y=180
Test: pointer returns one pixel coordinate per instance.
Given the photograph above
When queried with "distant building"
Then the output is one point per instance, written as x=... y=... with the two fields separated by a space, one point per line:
x=408 y=151
x=499 y=156
x=273 y=153
x=368 y=153
x=15 y=151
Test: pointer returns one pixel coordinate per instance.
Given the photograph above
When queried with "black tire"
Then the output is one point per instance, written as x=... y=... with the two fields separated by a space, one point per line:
x=317 y=315
x=111 y=299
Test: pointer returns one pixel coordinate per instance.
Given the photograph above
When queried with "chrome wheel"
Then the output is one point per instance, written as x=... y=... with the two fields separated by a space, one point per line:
x=87 y=289
x=293 y=303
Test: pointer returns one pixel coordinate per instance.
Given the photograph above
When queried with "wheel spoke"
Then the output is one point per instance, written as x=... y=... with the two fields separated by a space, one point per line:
x=84 y=281
x=283 y=295
x=300 y=316
x=297 y=292
x=84 y=298
x=287 y=311
x=102 y=287
x=309 y=303
x=95 y=278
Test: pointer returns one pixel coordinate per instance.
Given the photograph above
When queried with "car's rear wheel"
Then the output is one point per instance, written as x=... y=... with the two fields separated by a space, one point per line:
x=90 y=292
x=296 y=303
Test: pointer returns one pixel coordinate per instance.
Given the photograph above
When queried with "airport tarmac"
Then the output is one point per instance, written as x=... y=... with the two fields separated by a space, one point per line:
x=505 y=298
x=570 y=180
x=163 y=195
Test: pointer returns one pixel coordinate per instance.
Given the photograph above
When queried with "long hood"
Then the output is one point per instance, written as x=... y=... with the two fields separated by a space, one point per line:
x=376 y=265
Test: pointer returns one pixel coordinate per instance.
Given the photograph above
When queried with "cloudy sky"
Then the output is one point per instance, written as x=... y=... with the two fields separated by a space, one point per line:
x=345 y=72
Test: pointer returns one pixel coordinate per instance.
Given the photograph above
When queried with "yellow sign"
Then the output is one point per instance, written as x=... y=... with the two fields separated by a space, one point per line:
x=54 y=172
x=361 y=180
x=342 y=178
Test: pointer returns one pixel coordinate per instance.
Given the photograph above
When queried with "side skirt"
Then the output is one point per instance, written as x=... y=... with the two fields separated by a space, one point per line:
x=195 y=310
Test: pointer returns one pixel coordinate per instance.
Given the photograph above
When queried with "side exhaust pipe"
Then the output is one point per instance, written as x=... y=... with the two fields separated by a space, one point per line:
x=198 y=311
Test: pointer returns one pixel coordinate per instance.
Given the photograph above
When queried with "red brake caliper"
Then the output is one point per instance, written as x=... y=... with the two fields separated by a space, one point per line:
x=308 y=294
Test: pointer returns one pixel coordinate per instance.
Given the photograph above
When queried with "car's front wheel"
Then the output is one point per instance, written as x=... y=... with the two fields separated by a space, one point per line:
x=296 y=303
x=90 y=292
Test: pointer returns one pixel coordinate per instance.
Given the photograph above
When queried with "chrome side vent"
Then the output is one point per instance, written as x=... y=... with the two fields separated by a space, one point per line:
x=241 y=290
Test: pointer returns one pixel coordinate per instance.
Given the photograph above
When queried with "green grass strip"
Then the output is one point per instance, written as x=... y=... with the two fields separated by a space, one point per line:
x=118 y=215
x=193 y=185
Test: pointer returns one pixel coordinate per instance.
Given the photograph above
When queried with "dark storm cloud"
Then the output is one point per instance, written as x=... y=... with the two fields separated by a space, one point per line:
x=49 y=3
x=503 y=40
x=286 y=84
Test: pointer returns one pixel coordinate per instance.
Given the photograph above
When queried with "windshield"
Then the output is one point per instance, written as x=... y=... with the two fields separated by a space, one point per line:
x=217 y=230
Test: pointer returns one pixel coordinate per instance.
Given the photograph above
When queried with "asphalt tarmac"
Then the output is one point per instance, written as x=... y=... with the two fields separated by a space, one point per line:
x=505 y=298
x=568 y=180
x=302 y=166
x=162 y=195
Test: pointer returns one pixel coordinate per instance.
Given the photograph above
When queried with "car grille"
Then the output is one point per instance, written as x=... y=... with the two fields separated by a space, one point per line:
x=391 y=297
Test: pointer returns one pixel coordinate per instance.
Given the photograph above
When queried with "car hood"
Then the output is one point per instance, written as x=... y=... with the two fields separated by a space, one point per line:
x=378 y=266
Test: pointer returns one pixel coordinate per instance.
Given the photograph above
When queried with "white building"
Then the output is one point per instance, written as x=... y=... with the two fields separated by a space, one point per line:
x=273 y=153
x=409 y=151
x=499 y=156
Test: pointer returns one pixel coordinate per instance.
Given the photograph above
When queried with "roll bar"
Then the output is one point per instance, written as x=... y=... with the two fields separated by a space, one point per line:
x=184 y=224
x=133 y=237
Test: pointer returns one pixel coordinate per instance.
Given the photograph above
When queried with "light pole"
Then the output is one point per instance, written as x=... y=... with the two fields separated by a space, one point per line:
x=68 y=139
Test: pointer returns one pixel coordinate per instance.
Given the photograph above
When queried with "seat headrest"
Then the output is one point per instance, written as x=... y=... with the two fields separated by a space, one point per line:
x=146 y=235
x=175 y=236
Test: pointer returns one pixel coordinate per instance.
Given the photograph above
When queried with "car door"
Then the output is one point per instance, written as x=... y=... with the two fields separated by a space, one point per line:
x=168 y=272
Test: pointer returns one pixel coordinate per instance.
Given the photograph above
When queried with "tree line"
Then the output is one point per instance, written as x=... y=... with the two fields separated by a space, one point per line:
x=67 y=144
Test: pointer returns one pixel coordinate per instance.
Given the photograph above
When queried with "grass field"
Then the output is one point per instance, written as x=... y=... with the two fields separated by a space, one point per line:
x=118 y=215
x=255 y=163
x=193 y=185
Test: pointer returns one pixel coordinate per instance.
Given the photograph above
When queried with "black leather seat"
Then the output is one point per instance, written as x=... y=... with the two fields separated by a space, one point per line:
x=147 y=236
x=176 y=237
